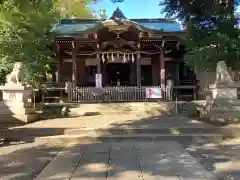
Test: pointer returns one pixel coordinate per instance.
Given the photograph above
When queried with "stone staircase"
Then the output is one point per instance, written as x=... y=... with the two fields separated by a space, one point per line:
x=180 y=134
x=129 y=121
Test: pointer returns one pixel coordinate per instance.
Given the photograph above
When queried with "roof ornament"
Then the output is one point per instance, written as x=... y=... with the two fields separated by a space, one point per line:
x=118 y=14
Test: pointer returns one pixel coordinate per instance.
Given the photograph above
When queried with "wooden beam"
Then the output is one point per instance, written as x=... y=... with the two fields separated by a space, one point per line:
x=74 y=64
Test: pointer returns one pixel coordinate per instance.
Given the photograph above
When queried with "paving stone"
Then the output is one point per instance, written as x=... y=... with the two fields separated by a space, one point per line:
x=223 y=161
x=171 y=161
x=25 y=161
x=63 y=165
x=94 y=164
x=153 y=163
x=188 y=167
x=123 y=163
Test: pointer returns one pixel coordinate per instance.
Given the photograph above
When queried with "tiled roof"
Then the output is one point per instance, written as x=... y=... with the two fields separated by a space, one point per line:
x=81 y=26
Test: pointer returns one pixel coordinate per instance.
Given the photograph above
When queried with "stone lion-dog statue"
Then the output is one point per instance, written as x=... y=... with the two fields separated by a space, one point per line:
x=16 y=76
x=222 y=73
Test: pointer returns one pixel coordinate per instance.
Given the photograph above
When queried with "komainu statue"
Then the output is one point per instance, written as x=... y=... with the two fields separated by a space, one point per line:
x=16 y=76
x=222 y=74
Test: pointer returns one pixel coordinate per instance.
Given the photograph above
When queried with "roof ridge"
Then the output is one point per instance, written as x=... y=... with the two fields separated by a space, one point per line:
x=156 y=19
x=76 y=21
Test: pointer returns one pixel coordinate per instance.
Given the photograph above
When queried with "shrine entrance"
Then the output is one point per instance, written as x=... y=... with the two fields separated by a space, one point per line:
x=118 y=74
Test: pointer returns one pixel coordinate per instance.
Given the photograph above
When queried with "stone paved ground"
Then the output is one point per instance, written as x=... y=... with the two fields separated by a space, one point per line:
x=223 y=159
x=25 y=161
x=136 y=160
x=126 y=160
x=51 y=160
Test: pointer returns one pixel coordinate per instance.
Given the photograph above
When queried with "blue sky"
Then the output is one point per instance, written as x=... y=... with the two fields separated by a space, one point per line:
x=132 y=8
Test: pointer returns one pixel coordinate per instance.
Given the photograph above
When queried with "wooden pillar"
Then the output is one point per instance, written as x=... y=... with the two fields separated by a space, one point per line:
x=98 y=63
x=57 y=72
x=74 y=64
x=98 y=54
x=162 y=67
x=59 y=64
x=138 y=63
x=103 y=71
x=138 y=69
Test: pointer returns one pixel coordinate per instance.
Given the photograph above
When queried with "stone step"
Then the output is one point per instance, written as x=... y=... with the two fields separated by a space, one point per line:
x=41 y=132
x=136 y=137
x=230 y=108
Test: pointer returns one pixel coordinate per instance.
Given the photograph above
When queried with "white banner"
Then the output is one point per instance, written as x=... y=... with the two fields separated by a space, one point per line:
x=98 y=80
x=153 y=93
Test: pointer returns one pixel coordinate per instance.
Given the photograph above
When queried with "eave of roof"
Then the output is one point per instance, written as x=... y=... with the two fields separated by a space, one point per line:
x=68 y=27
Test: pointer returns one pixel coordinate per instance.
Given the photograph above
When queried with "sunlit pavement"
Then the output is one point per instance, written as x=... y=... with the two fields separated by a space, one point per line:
x=122 y=160
x=126 y=160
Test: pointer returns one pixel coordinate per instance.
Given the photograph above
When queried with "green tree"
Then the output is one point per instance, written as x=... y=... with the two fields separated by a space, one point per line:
x=24 y=28
x=25 y=37
x=74 y=8
x=211 y=32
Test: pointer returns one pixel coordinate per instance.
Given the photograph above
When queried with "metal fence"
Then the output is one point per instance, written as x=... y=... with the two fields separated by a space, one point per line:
x=111 y=94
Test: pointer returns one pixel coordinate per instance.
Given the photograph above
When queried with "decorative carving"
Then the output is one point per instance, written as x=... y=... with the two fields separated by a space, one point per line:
x=16 y=76
x=222 y=74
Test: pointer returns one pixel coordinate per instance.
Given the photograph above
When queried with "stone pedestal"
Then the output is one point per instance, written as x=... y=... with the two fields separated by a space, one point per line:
x=17 y=106
x=222 y=104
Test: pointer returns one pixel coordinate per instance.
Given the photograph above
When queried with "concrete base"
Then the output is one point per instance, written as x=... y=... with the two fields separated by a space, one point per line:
x=222 y=105
x=16 y=93
x=16 y=106
x=224 y=93
x=19 y=118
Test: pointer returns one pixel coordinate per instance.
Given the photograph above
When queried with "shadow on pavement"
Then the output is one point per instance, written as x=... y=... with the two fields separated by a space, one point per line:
x=27 y=160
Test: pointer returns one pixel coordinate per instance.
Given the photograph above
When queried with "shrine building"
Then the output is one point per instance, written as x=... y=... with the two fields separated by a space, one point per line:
x=126 y=52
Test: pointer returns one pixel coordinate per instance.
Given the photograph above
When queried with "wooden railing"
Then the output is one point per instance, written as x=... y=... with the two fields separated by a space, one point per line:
x=120 y=93
x=110 y=94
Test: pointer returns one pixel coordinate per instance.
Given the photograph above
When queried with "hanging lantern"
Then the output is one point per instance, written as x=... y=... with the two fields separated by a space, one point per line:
x=112 y=57
x=133 y=58
x=103 y=58
x=128 y=57
x=108 y=56
x=117 y=55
